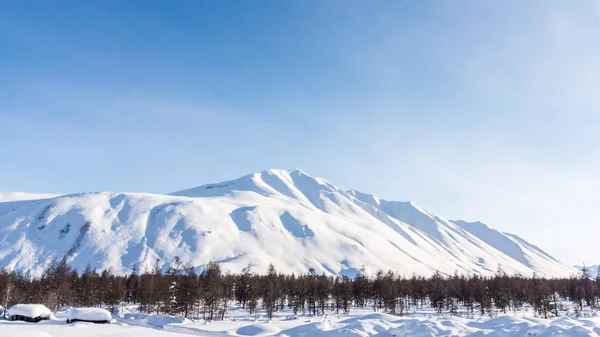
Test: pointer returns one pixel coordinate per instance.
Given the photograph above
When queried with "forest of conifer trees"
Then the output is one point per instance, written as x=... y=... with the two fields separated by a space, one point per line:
x=180 y=290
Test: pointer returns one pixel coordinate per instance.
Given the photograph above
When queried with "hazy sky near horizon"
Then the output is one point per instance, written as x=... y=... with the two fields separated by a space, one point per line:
x=478 y=110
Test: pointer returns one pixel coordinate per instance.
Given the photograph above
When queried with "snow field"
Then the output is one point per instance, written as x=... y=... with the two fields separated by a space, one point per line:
x=360 y=323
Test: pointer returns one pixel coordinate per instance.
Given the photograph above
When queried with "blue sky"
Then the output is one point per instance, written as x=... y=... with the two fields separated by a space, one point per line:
x=479 y=110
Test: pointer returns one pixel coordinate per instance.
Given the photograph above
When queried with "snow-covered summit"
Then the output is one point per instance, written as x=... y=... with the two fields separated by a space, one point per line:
x=282 y=185
x=291 y=183
x=285 y=217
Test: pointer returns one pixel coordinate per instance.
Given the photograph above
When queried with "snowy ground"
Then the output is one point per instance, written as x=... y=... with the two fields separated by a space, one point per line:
x=360 y=323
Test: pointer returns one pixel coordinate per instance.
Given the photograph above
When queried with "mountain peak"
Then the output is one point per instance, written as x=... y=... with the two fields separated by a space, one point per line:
x=374 y=200
x=464 y=223
x=365 y=197
x=293 y=183
x=281 y=171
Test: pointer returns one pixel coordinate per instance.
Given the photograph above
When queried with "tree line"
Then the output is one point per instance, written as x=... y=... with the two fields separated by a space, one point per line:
x=181 y=290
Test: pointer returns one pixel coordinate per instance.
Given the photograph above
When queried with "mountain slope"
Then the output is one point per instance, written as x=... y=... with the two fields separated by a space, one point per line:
x=287 y=218
x=514 y=246
x=475 y=239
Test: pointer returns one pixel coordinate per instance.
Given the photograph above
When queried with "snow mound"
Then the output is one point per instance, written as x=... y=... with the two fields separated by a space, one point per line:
x=89 y=314
x=152 y=320
x=29 y=310
x=258 y=330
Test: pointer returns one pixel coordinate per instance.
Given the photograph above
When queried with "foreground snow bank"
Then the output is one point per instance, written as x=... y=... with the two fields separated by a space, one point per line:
x=503 y=326
x=361 y=323
x=366 y=324
x=30 y=310
x=89 y=315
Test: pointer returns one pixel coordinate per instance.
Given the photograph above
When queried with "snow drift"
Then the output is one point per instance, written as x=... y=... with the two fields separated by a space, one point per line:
x=287 y=218
x=89 y=315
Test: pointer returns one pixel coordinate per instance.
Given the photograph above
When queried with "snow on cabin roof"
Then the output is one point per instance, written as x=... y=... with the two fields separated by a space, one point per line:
x=29 y=310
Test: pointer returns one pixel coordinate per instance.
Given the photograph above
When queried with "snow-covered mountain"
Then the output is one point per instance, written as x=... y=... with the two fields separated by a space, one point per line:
x=287 y=218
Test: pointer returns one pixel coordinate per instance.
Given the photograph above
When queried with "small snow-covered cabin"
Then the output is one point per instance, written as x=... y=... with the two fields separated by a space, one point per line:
x=90 y=315
x=29 y=313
